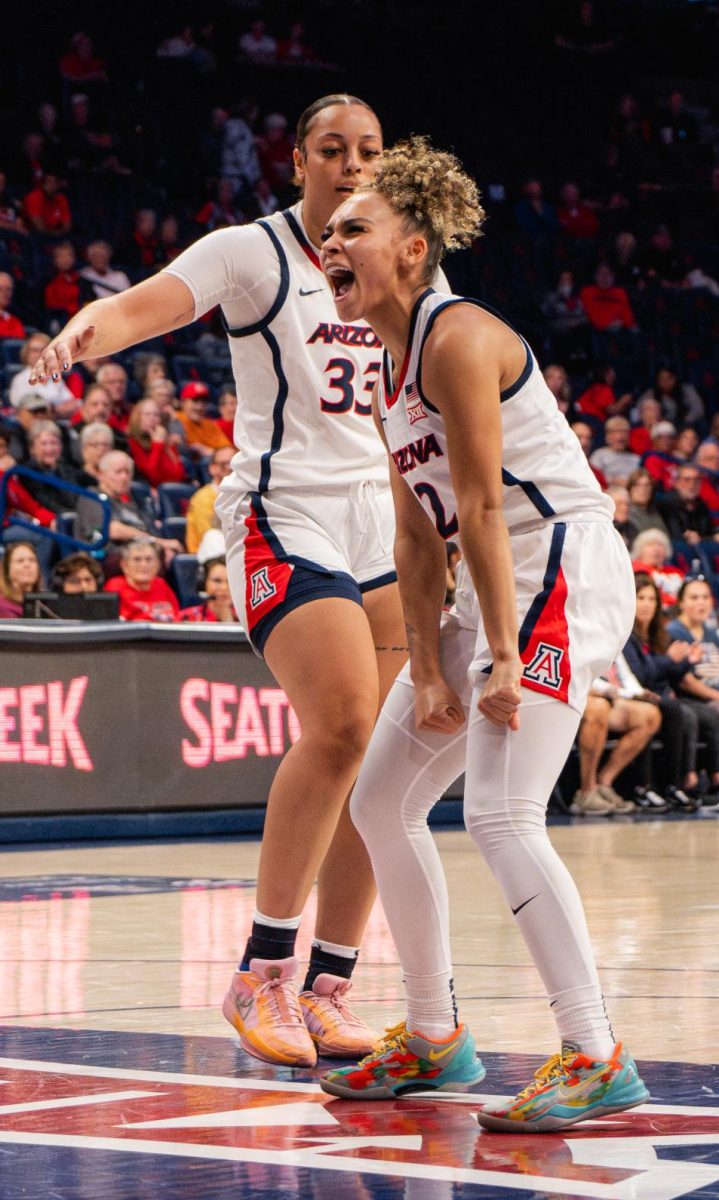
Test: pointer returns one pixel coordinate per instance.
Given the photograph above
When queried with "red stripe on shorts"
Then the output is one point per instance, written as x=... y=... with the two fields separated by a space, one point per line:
x=547 y=667
x=266 y=577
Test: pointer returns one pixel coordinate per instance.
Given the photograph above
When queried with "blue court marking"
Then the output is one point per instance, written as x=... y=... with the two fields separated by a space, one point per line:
x=75 y=1107
x=43 y=887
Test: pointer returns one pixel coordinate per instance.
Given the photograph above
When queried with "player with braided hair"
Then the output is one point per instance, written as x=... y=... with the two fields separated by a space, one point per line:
x=479 y=453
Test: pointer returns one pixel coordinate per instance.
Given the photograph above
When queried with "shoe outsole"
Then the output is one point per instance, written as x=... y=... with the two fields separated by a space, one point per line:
x=550 y=1124
x=385 y=1093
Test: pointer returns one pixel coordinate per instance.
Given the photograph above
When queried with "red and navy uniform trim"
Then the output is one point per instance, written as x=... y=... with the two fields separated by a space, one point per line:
x=305 y=246
x=544 y=633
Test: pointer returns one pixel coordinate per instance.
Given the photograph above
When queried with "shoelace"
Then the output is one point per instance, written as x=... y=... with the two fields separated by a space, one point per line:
x=283 y=998
x=554 y=1068
x=337 y=1000
x=394 y=1038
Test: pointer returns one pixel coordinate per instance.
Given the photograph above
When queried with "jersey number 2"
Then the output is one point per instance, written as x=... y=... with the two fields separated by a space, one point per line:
x=343 y=381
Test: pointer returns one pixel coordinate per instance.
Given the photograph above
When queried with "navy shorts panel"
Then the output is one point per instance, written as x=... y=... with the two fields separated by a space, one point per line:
x=305 y=585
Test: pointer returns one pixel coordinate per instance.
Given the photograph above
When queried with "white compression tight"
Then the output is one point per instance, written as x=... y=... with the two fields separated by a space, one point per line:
x=509 y=776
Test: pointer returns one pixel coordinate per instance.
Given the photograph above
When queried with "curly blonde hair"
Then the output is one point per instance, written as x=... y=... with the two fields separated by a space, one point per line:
x=432 y=191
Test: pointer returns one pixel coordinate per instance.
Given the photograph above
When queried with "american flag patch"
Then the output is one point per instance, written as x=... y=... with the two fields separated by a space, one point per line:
x=412 y=393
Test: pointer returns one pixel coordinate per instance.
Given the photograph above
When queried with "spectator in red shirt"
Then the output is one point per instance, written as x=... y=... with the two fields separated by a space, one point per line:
x=576 y=217
x=660 y=461
x=227 y=406
x=650 y=414
x=275 y=153
x=141 y=252
x=10 y=325
x=156 y=458
x=81 y=64
x=600 y=400
x=607 y=307
x=63 y=290
x=706 y=460
x=144 y=596
x=218 y=606
x=46 y=208
x=113 y=378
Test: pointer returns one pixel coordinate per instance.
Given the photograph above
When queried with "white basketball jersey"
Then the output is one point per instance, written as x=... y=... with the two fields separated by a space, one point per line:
x=304 y=381
x=545 y=473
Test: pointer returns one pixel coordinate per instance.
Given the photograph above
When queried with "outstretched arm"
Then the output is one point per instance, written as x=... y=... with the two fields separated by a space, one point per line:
x=153 y=307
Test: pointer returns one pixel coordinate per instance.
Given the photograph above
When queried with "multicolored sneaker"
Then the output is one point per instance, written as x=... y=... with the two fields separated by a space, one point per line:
x=569 y=1088
x=407 y=1062
x=336 y=1031
x=263 y=1006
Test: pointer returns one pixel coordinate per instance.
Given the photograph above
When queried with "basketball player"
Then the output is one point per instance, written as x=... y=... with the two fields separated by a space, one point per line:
x=544 y=603
x=308 y=522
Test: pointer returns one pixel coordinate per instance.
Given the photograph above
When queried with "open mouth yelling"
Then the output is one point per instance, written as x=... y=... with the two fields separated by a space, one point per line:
x=341 y=280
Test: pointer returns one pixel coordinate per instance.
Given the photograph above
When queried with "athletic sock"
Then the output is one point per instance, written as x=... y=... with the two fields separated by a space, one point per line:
x=582 y=1021
x=271 y=937
x=330 y=958
x=431 y=1005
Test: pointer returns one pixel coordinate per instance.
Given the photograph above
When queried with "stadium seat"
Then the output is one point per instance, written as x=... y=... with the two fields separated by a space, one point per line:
x=182 y=577
x=173 y=499
x=175 y=527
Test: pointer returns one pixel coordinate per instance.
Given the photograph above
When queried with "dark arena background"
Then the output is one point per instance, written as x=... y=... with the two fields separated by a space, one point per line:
x=135 y=757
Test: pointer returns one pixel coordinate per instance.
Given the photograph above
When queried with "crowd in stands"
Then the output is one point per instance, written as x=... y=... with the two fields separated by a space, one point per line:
x=613 y=278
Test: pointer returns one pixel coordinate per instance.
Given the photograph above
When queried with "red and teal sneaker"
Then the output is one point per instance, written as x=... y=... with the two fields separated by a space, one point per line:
x=407 y=1062
x=569 y=1088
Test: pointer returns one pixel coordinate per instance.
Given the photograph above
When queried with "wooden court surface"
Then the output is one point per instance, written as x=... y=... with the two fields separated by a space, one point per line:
x=115 y=958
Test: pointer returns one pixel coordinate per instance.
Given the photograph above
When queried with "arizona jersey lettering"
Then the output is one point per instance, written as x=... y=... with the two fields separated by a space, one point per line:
x=304 y=381
x=545 y=473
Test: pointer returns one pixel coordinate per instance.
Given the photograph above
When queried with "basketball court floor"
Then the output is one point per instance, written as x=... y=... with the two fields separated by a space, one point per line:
x=120 y=1079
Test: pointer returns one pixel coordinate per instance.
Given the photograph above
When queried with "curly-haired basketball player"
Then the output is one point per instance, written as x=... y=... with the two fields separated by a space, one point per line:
x=544 y=603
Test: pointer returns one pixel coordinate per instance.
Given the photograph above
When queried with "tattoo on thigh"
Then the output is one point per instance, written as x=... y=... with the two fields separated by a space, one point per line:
x=393 y=649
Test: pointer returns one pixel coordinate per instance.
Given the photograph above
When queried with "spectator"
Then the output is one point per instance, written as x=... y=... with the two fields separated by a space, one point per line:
x=227 y=406
x=624 y=261
x=221 y=210
x=10 y=325
x=622 y=523
x=660 y=261
x=146 y=368
x=46 y=457
x=180 y=45
x=81 y=64
x=169 y=245
x=217 y=606
x=20 y=574
x=696 y=607
x=294 y=50
x=600 y=400
x=239 y=150
x=32 y=167
x=585 y=436
x=113 y=378
x=565 y=315
x=201 y=509
x=127 y=522
x=46 y=209
x=57 y=394
x=32 y=408
x=77 y=574
x=256 y=45
x=610 y=711
x=141 y=251
x=63 y=290
x=534 y=215
x=606 y=305
x=660 y=665
x=660 y=461
x=143 y=595
x=677 y=127
x=163 y=392
x=96 y=440
x=275 y=153
x=96 y=406
x=615 y=460
x=686 y=444
x=648 y=414
x=643 y=512
x=263 y=202
x=102 y=278
x=156 y=458
x=680 y=402
x=18 y=499
x=10 y=213
x=88 y=147
x=688 y=519
x=202 y=435
x=577 y=218
x=706 y=460
x=651 y=553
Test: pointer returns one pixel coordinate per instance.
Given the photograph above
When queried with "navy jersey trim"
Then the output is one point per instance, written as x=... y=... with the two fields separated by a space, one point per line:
x=506 y=393
x=379 y=581
x=278 y=411
x=305 y=245
x=394 y=392
x=284 y=287
x=536 y=608
x=531 y=491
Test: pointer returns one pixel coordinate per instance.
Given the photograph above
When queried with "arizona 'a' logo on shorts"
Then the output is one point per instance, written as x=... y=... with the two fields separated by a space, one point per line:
x=262 y=587
x=546 y=666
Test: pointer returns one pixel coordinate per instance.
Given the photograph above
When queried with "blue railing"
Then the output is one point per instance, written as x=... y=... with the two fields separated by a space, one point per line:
x=66 y=541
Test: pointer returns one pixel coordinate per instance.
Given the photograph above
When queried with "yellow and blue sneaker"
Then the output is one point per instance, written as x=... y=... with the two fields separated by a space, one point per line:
x=407 y=1062
x=569 y=1088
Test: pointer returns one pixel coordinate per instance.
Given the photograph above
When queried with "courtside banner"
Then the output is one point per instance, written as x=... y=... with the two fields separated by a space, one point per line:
x=130 y=718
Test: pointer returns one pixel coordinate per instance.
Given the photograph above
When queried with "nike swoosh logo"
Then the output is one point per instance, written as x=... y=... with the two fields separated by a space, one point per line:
x=524 y=904
x=310 y=291
x=434 y=1055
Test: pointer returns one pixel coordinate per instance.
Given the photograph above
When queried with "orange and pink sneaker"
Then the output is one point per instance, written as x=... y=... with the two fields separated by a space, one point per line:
x=263 y=1006
x=336 y=1031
